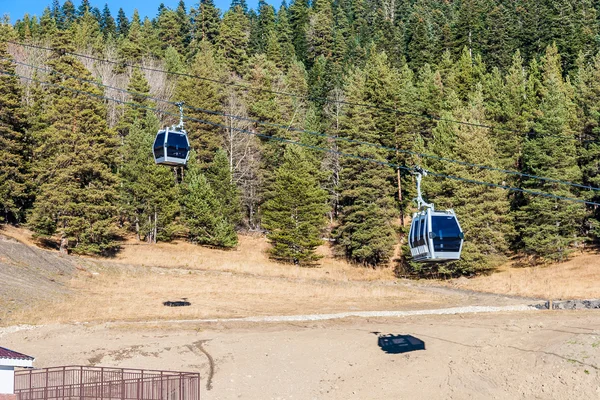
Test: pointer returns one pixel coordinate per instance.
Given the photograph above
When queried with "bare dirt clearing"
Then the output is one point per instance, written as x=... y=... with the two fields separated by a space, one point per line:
x=530 y=355
x=518 y=355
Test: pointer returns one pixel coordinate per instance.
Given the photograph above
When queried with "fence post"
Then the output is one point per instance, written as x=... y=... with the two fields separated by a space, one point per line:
x=141 y=395
x=80 y=383
x=46 y=388
x=180 y=386
x=161 y=386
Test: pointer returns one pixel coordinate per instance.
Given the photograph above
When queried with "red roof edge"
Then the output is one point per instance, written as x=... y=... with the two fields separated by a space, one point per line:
x=13 y=355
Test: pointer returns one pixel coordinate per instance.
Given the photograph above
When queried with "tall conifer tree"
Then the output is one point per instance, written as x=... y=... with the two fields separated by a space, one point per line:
x=365 y=234
x=203 y=211
x=294 y=213
x=205 y=94
x=234 y=38
x=13 y=143
x=483 y=212
x=207 y=22
x=548 y=227
x=122 y=23
x=74 y=162
x=148 y=192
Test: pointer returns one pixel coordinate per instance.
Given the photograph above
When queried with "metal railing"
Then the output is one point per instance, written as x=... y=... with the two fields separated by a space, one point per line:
x=102 y=383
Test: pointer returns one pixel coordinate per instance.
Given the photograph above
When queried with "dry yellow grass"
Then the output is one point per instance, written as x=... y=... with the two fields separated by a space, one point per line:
x=22 y=235
x=109 y=294
x=244 y=282
x=250 y=257
x=578 y=278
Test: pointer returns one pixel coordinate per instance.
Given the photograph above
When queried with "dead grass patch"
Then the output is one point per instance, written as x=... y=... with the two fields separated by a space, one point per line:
x=137 y=294
x=575 y=279
x=250 y=257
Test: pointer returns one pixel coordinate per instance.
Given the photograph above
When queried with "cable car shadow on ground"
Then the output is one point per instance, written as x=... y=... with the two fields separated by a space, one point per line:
x=398 y=344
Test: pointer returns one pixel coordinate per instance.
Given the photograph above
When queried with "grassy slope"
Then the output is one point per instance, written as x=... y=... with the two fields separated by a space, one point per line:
x=244 y=282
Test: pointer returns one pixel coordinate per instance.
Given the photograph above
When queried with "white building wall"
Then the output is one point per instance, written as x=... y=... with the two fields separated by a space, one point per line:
x=7 y=379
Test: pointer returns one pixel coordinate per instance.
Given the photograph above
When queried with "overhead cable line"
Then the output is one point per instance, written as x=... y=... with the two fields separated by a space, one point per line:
x=320 y=134
x=409 y=114
x=269 y=137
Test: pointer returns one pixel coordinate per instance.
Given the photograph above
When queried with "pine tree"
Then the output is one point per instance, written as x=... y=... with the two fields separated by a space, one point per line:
x=84 y=7
x=138 y=85
x=422 y=40
x=341 y=36
x=13 y=143
x=95 y=11
x=266 y=106
x=204 y=94
x=273 y=50
x=468 y=26
x=108 y=26
x=320 y=35
x=234 y=37
x=242 y=4
x=122 y=23
x=462 y=75
x=390 y=39
x=220 y=178
x=69 y=14
x=131 y=48
x=169 y=31
x=57 y=14
x=173 y=61
x=24 y=27
x=74 y=161
x=294 y=214
x=262 y=28
x=86 y=33
x=299 y=17
x=283 y=32
x=587 y=92
x=511 y=105
x=202 y=211
x=365 y=233
x=149 y=39
x=499 y=36
x=47 y=24
x=547 y=227
x=483 y=212
x=208 y=21
x=184 y=22
x=148 y=192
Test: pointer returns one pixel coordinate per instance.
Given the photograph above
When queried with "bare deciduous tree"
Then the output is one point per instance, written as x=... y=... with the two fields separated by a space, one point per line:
x=331 y=161
x=243 y=153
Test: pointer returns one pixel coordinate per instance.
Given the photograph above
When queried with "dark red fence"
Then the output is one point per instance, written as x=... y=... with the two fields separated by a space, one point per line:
x=101 y=383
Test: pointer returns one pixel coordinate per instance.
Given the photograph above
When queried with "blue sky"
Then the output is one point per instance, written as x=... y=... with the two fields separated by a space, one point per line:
x=17 y=8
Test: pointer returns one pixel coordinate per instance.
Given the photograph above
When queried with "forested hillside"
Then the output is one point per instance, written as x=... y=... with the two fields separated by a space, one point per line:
x=305 y=120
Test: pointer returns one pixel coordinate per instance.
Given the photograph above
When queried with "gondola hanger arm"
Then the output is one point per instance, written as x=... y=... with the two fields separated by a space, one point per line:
x=180 y=105
x=419 y=173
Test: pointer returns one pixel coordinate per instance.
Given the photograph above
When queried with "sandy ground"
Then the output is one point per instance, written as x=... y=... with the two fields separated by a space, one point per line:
x=519 y=355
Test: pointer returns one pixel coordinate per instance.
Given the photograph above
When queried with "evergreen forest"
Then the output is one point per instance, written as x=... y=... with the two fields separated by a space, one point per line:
x=305 y=121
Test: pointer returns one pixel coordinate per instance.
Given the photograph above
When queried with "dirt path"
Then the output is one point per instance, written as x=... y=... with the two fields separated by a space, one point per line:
x=503 y=355
x=342 y=315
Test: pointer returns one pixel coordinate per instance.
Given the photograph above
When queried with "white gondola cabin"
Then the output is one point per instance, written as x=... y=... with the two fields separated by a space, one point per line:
x=434 y=236
x=172 y=146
